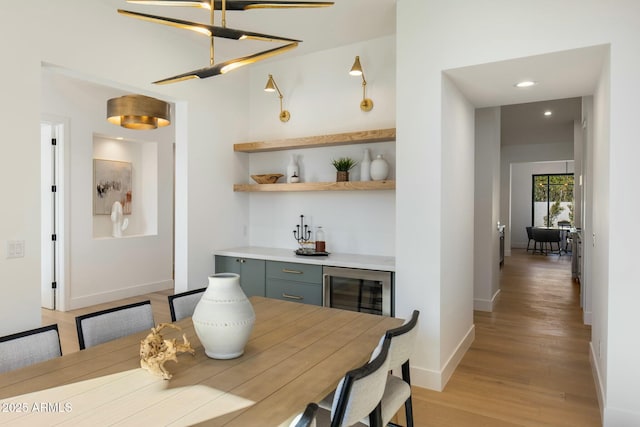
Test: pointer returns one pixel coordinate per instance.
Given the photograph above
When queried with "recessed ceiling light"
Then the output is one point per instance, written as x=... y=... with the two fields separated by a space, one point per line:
x=547 y=113
x=526 y=83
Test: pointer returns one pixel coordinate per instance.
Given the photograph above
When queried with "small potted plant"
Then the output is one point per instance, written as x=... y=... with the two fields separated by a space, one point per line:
x=343 y=165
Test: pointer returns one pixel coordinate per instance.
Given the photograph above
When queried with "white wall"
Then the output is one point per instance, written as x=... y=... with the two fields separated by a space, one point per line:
x=324 y=99
x=434 y=36
x=486 y=213
x=521 y=176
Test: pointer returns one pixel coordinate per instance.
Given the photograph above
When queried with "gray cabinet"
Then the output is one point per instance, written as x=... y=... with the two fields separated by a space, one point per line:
x=251 y=271
x=294 y=282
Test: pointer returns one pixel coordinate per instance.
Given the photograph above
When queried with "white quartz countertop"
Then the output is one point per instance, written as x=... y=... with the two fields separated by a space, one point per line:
x=368 y=262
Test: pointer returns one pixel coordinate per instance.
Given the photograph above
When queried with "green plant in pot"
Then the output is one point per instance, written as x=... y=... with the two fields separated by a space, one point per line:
x=343 y=165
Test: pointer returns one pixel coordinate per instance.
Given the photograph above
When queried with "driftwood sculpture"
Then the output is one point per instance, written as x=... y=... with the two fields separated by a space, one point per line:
x=156 y=351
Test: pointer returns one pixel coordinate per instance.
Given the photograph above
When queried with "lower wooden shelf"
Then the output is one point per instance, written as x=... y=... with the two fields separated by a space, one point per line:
x=318 y=186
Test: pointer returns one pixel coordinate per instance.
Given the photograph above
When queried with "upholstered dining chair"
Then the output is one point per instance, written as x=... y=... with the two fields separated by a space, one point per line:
x=307 y=418
x=182 y=305
x=106 y=325
x=28 y=347
x=397 y=390
x=359 y=393
x=546 y=237
x=530 y=236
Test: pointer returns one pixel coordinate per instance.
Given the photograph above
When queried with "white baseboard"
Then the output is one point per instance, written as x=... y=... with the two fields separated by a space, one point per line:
x=116 y=294
x=485 y=304
x=586 y=317
x=597 y=379
x=437 y=380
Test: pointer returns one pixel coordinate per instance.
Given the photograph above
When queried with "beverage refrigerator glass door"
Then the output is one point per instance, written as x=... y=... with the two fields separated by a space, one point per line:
x=366 y=291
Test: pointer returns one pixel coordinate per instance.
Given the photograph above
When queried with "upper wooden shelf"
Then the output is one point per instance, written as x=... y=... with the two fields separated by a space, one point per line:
x=318 y=186
x=360 y=137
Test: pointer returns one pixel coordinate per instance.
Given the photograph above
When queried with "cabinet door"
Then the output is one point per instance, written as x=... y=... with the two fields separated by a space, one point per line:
x=251 y=271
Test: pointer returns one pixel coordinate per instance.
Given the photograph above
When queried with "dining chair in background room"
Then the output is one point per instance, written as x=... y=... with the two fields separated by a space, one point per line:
x=182 y=305
x=359 y=393
x=106 y=325
x=29 y=347
x=307 y=418
x=530 y=236
x=397 y=391
x=546 y=237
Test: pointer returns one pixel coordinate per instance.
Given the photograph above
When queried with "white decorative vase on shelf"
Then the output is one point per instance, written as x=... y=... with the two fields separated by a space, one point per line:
x=224 y=317
x=293 y=169
x=365 y=166
x=379 y=168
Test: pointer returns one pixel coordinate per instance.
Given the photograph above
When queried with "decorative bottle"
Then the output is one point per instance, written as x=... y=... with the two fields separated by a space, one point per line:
x=379 y=168
x=320 y=242
x=224 y=317
x=365 y=166
x=292 y=169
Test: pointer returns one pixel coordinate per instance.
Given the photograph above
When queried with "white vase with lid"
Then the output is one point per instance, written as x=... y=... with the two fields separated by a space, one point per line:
x=223 y=318
x=379 y=168
x=293 y=169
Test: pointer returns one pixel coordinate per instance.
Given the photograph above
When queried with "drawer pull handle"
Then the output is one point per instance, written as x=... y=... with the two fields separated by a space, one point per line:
x=296 y=297
x=286 y=270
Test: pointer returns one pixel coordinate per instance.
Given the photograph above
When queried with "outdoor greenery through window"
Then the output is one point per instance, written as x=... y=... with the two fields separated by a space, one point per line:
x=552 y=199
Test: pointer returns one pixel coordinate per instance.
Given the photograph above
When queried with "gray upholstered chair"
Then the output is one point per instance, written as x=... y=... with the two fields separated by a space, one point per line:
x=397 y=390
x=182 y=305
x=106 y=325
x=307 y=418
x=359 y=394
x=530 y=237
x=29 y=347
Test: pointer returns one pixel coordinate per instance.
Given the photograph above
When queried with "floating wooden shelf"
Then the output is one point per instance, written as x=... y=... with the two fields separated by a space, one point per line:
x=360 y=137
x=319 y=186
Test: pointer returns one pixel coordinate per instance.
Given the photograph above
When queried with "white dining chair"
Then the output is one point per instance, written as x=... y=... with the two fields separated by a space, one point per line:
x=106 y=325
x=359 y=393
x=182 y=305
x=397 y=390
x=29 y=347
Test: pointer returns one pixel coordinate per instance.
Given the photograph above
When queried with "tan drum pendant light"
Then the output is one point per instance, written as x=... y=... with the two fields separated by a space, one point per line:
x=138 y=112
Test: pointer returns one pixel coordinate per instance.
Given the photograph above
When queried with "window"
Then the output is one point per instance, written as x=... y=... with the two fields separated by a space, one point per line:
x=552 y=199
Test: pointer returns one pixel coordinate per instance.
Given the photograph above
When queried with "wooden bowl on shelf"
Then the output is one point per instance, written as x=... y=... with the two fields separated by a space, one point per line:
x=267 y=178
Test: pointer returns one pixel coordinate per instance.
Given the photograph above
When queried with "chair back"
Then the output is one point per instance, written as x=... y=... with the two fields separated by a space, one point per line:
x=359 y=393
x=182 y=305
x=106 y=325
x=307 y=418
x=546 y=235
x=29 y=347
x=529 y=232
x=403 y=340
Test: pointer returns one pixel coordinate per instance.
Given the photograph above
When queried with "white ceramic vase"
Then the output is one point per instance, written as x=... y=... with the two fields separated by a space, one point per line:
x=365 y=166
x=379 y=168
x=293 y=169
x=224 y=317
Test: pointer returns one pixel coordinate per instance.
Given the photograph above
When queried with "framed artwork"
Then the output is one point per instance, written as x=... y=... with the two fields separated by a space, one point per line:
x=111 y=183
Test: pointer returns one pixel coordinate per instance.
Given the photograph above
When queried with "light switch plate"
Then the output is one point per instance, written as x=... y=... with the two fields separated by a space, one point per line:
x=15 y=248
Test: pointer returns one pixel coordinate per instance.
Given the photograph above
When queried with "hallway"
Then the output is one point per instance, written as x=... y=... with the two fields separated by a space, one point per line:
x=529 y=364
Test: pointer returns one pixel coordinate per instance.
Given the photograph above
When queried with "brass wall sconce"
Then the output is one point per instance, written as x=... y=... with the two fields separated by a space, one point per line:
x=138 y=112
x=273 y=87
x=356 y=70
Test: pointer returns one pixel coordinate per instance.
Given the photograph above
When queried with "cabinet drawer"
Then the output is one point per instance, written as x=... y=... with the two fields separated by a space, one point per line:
x=294 y=291
x=294 y=271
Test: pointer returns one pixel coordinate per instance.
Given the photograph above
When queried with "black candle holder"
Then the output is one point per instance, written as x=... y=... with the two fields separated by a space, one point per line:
x=302 y=233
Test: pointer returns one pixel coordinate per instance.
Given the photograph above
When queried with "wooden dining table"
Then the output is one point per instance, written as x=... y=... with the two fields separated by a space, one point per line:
x=297 y=353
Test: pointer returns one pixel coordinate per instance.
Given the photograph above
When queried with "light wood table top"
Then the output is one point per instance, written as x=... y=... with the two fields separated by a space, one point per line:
x=297 y=353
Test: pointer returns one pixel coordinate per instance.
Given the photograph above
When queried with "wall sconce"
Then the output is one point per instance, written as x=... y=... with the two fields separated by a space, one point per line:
x=356 y=70
x=273 y=87
x=138 y=112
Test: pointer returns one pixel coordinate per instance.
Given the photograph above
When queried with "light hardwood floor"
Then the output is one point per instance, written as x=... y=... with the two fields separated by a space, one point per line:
x=528 y=366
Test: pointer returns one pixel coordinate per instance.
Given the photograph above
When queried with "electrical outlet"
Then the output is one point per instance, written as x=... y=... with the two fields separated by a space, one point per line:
x=15 y=248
